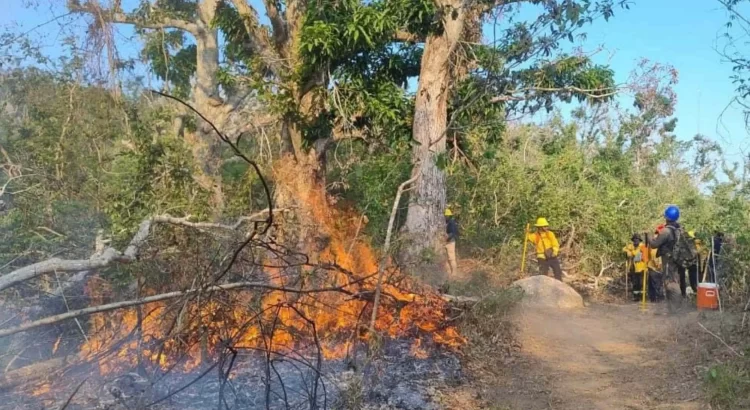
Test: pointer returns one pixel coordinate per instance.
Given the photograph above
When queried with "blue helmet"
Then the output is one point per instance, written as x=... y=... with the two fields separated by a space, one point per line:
x=672 y=213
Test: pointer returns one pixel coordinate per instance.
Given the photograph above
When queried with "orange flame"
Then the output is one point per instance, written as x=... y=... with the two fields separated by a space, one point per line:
x=183 y=338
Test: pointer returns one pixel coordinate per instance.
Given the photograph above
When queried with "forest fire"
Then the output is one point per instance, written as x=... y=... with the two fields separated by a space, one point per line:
x=197 y=330
x=288 y=322
x=183 y=338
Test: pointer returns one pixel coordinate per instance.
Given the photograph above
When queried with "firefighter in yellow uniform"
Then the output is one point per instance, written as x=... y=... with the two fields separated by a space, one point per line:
x=547 y=249
x=638 y=256
x=694 y=272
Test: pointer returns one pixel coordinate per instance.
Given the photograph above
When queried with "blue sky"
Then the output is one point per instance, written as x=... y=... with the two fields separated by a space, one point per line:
x=677 y=32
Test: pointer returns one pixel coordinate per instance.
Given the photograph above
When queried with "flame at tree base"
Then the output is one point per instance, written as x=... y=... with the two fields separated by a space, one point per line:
x=195 y=331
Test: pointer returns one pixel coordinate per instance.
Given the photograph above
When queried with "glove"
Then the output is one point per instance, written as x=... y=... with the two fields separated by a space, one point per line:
x=548 y=253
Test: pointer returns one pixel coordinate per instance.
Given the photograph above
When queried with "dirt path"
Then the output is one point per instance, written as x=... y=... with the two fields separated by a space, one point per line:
x=602 y=357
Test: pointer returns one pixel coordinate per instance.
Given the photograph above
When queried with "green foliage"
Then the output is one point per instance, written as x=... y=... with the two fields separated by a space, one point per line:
x=171 y=59
x=734 y=48
x=154 y=177
x=370 y=185
x=594 y=193
x=89 y=162
x=728 y=385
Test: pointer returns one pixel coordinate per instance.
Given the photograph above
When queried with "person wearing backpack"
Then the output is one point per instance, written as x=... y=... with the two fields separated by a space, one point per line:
x=637 y=254
x=677 y=251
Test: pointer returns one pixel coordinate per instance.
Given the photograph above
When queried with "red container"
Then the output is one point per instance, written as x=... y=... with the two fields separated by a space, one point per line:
x=708 y=296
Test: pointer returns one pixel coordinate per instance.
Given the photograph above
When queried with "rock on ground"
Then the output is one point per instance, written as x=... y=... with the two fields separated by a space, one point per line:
x=544 y=291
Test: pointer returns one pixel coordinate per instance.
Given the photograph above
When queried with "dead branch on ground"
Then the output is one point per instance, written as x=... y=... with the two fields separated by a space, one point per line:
x=165 y=296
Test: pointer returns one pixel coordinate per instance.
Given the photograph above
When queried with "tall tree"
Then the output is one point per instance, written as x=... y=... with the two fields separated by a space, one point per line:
x=334 y=70
x=171 y=20
x=443 y=66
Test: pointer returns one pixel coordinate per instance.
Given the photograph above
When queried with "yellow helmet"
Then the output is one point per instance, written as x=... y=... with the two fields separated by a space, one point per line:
x=691 y=234
x=448 y=212
x=541 y=223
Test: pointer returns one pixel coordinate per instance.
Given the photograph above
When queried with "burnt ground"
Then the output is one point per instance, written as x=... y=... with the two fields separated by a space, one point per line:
x=395 y=379
x=603 y=357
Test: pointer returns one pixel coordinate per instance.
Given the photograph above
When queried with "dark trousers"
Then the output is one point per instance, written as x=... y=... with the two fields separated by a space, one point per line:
x=673 y=277
x=711 y=271
x=636 y=278
x=552 y=263
x=655 y=286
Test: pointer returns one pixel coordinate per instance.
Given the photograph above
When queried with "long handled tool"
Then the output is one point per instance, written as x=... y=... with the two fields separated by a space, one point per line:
x=627 y=271
x=713 y=261
x=645 y=280
x=525 y=246
x=704 y=271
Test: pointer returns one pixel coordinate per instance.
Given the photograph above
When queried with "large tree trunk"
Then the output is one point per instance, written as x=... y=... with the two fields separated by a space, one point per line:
x=424 y=222
x=206 y=146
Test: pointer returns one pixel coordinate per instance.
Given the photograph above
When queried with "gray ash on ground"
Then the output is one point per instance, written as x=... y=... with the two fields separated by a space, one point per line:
x=394 y=379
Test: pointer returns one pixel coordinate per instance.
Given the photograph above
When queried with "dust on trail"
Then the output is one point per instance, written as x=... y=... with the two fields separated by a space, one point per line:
x=600 y=358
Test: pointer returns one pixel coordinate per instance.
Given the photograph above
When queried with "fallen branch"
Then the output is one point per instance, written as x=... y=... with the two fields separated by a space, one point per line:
x=721 y=340
x=165 y=296
x=25 y=374
x=110 y=255
x=461 y=300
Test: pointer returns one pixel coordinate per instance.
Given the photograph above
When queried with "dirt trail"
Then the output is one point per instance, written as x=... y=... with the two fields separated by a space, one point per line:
x=602 y=357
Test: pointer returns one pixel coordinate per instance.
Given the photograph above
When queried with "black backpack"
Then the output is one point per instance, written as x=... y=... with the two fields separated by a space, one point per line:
x=684 y=253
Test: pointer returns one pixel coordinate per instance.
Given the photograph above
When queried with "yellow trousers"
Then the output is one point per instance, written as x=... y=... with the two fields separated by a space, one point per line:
x=450 y=249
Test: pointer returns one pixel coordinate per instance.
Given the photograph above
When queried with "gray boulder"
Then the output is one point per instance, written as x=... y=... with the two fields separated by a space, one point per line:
x=544 y=291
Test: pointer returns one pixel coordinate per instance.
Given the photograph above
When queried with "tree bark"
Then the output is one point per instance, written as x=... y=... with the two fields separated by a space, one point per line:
x=424 y=221
x=207 y=150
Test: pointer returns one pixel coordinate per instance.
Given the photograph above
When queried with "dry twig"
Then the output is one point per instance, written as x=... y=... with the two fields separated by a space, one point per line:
x=738 y=354
x=386 y=246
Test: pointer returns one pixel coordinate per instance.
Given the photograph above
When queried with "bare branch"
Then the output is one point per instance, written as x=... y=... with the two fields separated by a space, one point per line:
x=386 y=246
x=185 y=221
x=166 y=296
x=738 y=354
x=122 y=18
x=11 y=179
x=109 y=255
x=593 y=93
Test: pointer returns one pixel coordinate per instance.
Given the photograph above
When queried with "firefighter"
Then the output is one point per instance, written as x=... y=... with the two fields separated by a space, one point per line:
x=655 y=277
x=694 y=271
x=638 y=255
x=665 y=242
x=547 y=249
